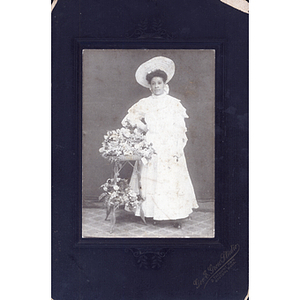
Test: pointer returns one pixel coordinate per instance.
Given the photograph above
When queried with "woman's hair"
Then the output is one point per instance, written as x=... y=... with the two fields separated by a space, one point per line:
x=156 y=73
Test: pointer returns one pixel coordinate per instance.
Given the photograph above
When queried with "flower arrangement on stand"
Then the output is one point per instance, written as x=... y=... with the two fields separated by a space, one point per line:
x=119 y=146
x=126 y=142
x=117 y=193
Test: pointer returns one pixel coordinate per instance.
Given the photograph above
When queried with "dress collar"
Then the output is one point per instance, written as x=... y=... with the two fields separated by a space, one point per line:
x=159 y=96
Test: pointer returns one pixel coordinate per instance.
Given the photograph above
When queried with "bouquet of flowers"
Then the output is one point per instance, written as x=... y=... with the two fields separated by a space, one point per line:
x=118 y=192
x=126 y=142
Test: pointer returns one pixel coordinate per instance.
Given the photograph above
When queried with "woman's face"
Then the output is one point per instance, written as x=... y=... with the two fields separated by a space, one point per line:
x=157 y=86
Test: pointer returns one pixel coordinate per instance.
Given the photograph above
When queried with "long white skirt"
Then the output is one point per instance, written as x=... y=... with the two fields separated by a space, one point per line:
x=166 y=187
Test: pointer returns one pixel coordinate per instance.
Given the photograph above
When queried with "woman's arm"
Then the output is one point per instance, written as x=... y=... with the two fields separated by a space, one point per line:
x=178 y=138
x=141 y=125
x=134 y=122
x=136 y=116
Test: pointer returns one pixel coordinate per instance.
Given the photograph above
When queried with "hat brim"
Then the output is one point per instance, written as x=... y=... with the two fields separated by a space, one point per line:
x=157 y=63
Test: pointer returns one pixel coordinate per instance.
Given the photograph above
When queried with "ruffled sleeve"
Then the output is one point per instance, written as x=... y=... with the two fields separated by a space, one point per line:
x=136 y=114
x=177 y=135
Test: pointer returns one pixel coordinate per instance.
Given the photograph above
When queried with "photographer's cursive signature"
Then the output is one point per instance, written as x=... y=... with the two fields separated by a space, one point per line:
x=214 y=273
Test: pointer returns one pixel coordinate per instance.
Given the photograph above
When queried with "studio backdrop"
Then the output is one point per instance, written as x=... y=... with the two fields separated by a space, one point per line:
x=109 y=89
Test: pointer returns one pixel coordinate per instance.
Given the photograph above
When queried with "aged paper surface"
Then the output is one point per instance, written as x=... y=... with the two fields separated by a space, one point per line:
x=105 y=104
x=241 y=5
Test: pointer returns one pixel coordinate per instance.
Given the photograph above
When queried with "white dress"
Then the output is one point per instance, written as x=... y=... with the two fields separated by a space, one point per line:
x=165 y=182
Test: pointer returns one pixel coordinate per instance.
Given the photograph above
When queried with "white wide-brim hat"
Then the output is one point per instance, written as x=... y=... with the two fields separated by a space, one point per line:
x=157 y=63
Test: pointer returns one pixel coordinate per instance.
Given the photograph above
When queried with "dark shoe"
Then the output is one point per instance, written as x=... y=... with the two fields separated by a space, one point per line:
x=177 y=225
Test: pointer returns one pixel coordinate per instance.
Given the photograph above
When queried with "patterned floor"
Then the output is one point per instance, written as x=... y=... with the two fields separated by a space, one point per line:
x=200 y=225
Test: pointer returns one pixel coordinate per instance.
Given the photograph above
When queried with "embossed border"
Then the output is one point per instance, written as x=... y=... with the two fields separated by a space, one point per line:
x=221 y=221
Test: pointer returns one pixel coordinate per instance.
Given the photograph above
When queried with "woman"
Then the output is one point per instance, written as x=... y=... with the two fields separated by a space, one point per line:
x=165 y=182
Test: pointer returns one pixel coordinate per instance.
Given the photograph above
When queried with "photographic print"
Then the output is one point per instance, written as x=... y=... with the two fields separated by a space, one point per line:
x=148 y=143
x=149 y=150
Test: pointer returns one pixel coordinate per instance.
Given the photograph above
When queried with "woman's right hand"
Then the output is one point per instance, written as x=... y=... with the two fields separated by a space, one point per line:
x=142 y=126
